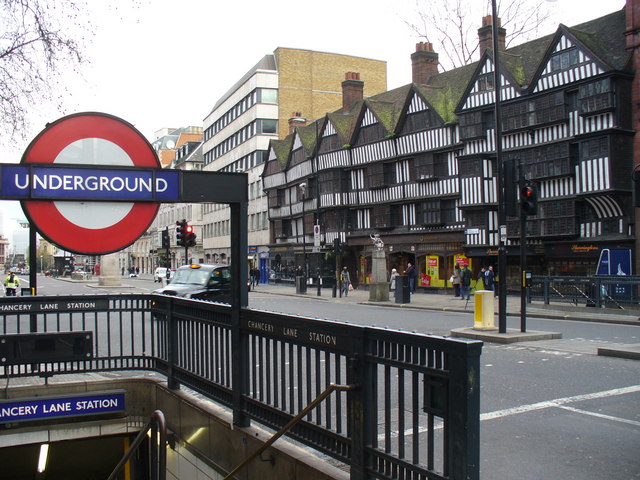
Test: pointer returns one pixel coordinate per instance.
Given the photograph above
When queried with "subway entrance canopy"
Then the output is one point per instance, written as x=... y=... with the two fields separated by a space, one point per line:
x=92 y=184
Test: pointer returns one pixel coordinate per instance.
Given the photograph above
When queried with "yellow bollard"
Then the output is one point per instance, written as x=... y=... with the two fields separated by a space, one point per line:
x=484 y=310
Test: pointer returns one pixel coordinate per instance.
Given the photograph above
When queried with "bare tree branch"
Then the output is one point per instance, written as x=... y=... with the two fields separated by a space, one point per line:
x=39 y=41
x=452 y=25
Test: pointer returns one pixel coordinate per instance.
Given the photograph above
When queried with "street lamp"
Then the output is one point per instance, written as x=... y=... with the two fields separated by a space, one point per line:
x=502 y=257
x=303 y=192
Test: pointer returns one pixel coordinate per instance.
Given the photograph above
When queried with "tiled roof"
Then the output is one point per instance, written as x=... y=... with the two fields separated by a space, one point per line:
x=282 y=149
x=604 y=37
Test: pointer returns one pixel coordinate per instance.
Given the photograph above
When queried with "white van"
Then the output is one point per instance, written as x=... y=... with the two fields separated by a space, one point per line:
x=160 y=273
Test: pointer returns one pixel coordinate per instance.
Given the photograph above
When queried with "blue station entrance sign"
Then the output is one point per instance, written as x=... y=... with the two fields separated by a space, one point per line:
x=65 y=183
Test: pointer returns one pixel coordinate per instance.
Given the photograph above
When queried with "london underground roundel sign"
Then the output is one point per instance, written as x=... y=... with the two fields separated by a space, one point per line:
x=87 y=140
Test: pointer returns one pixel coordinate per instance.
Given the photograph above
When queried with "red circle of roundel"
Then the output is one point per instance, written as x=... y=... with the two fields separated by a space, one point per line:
x=46 y=216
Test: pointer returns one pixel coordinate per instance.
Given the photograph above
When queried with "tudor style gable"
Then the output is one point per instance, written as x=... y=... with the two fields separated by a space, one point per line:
x=331 y=150
x=422 y=128
x=481 y=91
x=370 y=140
x=567 y=61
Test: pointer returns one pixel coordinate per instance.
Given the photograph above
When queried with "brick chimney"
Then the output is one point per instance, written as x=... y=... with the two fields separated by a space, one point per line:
x=352 y=90
x=485 y=35
x=424 y=63
x=296 y=120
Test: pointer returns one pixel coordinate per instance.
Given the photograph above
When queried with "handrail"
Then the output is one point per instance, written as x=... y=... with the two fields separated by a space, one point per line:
x=158 y=428
x=290 y=424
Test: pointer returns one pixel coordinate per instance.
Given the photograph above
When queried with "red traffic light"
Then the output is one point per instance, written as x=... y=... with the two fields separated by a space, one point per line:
x=188 y=229
x=529 y=200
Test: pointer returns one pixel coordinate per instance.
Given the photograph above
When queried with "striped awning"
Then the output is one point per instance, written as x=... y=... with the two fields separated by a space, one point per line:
x=605 y=206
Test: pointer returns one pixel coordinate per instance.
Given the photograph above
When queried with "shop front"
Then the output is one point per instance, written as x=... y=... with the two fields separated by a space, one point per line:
x=434 y=256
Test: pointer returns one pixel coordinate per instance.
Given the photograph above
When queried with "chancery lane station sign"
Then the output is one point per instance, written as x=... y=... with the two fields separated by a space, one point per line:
x=92 y=184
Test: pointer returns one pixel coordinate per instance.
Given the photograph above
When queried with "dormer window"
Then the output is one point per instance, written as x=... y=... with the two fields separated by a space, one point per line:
x=565 y=60
x=485 y=82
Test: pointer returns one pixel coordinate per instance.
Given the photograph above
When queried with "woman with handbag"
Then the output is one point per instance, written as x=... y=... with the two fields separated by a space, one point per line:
x=455 y=281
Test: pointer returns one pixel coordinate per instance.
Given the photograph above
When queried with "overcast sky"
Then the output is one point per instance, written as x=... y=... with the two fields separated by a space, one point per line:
x=165 y=63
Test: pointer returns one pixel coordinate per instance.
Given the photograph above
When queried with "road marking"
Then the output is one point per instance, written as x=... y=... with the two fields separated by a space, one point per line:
x=600 y=415
x=558 y=402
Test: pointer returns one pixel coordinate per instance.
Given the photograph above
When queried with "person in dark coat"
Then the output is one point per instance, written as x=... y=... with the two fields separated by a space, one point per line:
x=410 y=272
x=489 y=279
x=481 y=279
x=465 y=283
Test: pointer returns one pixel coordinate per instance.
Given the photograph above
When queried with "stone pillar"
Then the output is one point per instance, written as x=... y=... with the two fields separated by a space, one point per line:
x=109 y=274
x=379 y=288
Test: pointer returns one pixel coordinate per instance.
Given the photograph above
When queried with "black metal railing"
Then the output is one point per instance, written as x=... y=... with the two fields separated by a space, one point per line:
x=609 y=291
x=156 y=427
x=415 y=413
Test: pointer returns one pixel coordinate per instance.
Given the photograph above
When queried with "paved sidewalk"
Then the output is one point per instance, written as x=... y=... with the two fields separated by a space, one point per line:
x=444 y=302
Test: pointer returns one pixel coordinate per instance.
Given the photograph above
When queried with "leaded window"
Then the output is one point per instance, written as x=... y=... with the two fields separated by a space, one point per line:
x=596 y=97
x=565 y=60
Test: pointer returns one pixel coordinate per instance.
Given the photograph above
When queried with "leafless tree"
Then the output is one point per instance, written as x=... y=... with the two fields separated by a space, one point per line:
x=452 y=25
x=40 y=40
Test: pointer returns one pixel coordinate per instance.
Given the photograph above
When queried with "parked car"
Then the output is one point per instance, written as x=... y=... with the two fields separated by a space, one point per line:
x=201 y=281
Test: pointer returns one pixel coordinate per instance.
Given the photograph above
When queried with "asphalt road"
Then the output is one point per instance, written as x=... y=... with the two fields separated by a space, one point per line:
x=551 y=409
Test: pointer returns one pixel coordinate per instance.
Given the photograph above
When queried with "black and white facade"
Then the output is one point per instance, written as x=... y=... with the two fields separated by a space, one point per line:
x=417 y=165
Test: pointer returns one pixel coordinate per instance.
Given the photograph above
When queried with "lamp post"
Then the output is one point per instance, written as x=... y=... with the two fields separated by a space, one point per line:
x=303 y=195
x=502 y=256
x=41 y=269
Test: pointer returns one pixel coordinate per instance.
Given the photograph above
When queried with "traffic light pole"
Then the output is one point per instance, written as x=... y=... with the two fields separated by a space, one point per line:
x=523 y=254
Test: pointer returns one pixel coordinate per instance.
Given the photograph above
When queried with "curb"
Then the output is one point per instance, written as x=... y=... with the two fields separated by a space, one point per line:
x=512 y=335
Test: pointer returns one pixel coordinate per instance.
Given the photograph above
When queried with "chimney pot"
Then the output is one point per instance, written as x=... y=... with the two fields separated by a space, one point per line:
x=424 y=63
x=352 y=90
x=485 y=35
x=296 y=120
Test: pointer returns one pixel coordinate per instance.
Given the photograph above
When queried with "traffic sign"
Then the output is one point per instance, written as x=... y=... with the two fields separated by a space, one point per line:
x=87 y=139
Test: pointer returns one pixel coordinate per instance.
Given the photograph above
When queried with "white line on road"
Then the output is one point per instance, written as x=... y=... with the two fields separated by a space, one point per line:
x=600 y=415
x=558 y=402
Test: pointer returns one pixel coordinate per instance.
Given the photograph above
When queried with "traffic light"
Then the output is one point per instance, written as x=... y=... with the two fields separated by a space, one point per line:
x=180 y=232
x=510 y=187
x=189 y=236
x=165 y=239
x=529 y=199
x=337 y=246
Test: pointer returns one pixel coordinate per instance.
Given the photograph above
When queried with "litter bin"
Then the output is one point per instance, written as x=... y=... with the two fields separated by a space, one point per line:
x=301 y=285
x=403 y=295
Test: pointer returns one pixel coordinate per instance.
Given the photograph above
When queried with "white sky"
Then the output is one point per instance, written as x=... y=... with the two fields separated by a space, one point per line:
x=165 y=63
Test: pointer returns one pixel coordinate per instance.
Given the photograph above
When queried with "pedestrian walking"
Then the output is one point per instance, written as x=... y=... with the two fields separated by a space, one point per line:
x=489 y=279
x=465 y=283
x=481 y=279
x=410 y=272
x=455 y=281
x=392 y=279
x=255 y=276
x=345 y=280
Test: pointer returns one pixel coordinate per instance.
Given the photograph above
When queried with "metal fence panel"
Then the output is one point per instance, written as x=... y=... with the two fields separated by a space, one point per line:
x=415 y=413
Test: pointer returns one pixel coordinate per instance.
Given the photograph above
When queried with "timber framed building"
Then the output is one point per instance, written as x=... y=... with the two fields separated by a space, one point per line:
x=417 y=164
